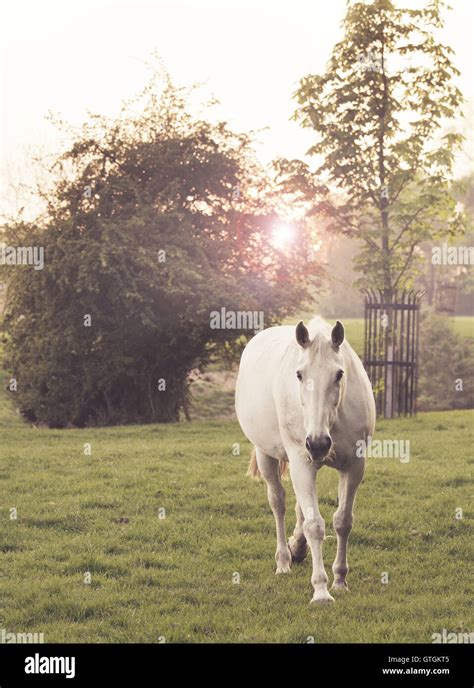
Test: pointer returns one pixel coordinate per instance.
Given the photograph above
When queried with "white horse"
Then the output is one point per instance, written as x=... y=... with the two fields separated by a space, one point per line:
x=306 y=400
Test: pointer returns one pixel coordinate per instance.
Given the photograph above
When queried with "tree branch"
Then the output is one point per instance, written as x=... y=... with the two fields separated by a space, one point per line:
x=407 y=262
x=406 y=226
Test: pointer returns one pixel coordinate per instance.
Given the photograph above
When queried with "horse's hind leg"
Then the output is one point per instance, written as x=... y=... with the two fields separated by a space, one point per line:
x=270 y=470
x=297 y=542
x=342 y=520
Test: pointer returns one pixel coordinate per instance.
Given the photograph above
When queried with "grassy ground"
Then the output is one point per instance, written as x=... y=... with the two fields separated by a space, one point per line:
x=173 y=576
x=464 y=325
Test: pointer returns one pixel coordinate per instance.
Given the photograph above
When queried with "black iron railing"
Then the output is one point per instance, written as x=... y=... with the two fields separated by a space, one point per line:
x=391 y=343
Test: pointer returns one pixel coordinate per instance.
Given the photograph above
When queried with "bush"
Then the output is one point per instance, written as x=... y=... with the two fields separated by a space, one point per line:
x=446 y=371
x=155 y=220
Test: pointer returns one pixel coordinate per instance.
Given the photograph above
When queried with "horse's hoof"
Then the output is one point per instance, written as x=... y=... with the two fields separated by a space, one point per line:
x=298 y=555
x=283 y=569
x=340 y=587
x=322 y=598
x=283 y=561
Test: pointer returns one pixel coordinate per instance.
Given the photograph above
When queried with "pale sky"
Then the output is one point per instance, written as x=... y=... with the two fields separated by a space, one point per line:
x=75 y=56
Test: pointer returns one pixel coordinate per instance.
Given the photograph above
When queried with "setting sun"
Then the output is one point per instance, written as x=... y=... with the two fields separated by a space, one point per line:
x=283 y=235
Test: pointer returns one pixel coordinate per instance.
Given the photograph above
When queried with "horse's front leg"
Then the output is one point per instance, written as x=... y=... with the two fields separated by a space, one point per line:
x=342 y=520
x=303 y=477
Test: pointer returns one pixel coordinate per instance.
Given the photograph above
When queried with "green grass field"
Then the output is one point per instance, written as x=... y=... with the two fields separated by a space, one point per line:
x=172 y=577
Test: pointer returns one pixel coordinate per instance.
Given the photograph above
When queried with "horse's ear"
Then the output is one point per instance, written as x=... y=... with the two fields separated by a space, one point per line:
x=337 y=334
x=302 y=335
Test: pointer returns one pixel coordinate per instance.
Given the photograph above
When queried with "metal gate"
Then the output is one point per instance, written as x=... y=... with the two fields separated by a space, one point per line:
x=392 y=326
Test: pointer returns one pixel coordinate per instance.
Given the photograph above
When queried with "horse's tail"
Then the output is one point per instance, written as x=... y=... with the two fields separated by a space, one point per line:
x=253 y=471
x=283 y=468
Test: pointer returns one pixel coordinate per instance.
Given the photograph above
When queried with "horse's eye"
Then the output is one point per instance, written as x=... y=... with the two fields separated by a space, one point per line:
x=339 y=375
x=298 y=375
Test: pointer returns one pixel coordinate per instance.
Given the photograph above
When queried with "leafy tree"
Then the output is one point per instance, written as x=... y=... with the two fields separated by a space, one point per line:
x=435 y=278
x=384 y=163
x=154 y=220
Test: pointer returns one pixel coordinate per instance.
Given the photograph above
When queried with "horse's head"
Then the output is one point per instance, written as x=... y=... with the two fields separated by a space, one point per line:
x=321 y=384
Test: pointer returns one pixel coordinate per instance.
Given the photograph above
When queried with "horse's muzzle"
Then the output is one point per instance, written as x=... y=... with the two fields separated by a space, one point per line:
x=318 y=448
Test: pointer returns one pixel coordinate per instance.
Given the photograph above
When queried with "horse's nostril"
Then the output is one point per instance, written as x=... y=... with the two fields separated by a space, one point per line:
x=319 y=446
